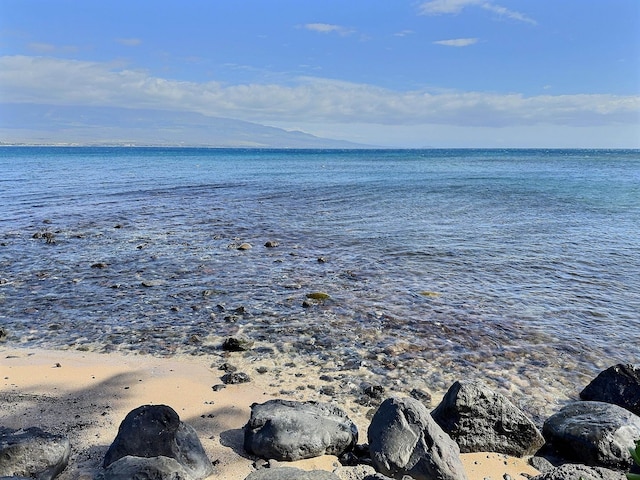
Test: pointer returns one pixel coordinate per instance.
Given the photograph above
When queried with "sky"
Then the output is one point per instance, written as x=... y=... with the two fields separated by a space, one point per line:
x=400 y=73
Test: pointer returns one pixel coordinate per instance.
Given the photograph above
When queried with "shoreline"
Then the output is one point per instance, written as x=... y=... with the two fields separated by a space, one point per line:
x=85 y=396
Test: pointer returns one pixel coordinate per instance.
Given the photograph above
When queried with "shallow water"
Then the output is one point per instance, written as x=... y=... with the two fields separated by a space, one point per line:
x=521 y=267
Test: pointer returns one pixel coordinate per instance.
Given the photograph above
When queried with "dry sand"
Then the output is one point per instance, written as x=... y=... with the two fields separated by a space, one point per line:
x=86 y=395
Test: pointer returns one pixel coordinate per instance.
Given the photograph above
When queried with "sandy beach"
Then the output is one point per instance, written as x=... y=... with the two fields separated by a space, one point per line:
x=86 y=395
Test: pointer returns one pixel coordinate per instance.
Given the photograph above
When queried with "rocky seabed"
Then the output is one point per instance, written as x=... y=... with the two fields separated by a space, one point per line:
x=588 y=439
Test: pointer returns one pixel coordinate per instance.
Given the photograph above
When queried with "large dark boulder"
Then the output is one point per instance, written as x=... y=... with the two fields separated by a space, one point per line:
x=405 y=440
x=32 y=453
x=593 y=433
x=619 y=385
x=155 y=468
x=289 y=473
x=480 y=420
x=570 y=471
x=156 y=431
x=288 y=430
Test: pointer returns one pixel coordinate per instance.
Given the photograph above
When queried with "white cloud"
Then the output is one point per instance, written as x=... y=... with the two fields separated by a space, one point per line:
x=327 y=28
x=457 y=42
x=505 y=12
x=41 y=47
x=440 y=7
x=437 y=7
x=404 y=33
x=45 y=80
x=129 y=42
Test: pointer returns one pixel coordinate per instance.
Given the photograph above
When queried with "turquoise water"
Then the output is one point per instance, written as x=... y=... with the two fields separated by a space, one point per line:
x=520 y=266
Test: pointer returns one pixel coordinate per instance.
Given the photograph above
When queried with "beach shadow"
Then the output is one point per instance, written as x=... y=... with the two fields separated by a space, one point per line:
x=80 y=415
x=234 y=439
x=223 y=422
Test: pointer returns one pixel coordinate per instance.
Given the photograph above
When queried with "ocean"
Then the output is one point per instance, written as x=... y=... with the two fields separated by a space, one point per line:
x=517 y=267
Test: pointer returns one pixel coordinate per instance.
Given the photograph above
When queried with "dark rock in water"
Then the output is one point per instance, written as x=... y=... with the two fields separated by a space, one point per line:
x=237 y=344
x=480 y=420
x=619 y=385
x=405 y=440
x=421 y=395
x=570 y=471
x=156 y=468
x=3 y=334
x=593 y=433
x=245 y=246
x=156 y=431
x=233 y=378
x=288 y=430
x=289 y=473
x=373 y=391
x=271 y=244
x=32 y=453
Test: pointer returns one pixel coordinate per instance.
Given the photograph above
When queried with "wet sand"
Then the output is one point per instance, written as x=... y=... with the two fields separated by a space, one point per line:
x=85 y=396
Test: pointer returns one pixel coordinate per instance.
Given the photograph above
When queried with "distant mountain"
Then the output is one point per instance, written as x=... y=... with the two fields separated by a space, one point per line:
x=22 y=123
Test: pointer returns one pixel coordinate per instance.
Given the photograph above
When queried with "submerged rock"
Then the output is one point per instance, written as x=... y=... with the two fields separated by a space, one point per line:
x=237 y=344
x=405 y=440
x=288 y=430
x=318 y=296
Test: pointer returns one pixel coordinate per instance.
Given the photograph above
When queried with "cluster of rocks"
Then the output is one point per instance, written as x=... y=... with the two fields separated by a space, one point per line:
x=589 y=439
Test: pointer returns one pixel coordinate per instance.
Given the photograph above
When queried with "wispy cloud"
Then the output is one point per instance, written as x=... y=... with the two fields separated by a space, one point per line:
x=41 y=47
x=129 y=42
x=49 y=48
x=328 y=28
x=45 y=80
x=442 y=7
x=404 y=33
x=457 y=42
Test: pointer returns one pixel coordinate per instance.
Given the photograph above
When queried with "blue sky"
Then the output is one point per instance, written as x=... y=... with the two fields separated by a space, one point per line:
x=446 y=73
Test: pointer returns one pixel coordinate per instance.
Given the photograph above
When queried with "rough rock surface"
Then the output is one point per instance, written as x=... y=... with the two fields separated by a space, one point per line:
x=593 y=433
x=288 y=430
x=619 y=385
x=288 y=473
x=480 y=420
x=570 y=471
x=156 y=430
x=405 y=440
x=355 y=472
x=32 y=453
x=156 y=468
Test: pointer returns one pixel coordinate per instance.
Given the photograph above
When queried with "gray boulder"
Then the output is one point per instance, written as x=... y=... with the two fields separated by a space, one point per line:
x=570 y=471
x=32 y=453
x=405 y=440
x=289 y=473
x=593 y=433
x=354 y=472
x=288 y=430
x=619 y=385
x=480 y=420
x=156 y=431
x=156 y=468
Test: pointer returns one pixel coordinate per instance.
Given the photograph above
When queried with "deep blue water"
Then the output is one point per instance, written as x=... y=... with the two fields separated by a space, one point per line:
x=442 y=264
